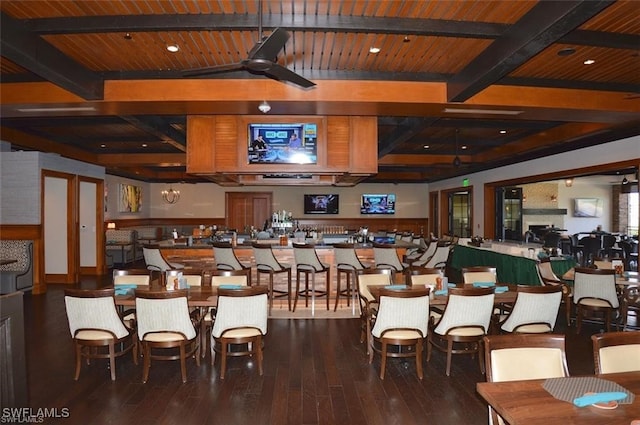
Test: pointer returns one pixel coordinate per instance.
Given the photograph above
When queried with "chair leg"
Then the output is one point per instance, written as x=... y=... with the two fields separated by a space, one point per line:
x=289 y=288
x=328 y=288
x=212 y=350
x=335 y=308
x=183 y=363
x=449 y=354
x=259 y=353
x=112 y=361
x=481 y=356
x=419 y=348
x=78 y=360
x=578 y=318
x=223 y=358
x=146 y=361
x=383 y=359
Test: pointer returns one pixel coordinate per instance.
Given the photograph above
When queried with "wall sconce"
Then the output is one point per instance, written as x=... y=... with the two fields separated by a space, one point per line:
x=524 y=198
x=111 y=225
x=568 y=182
x=170 y=196
x=554 y=198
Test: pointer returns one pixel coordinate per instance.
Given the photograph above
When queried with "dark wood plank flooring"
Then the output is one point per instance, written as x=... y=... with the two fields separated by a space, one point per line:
x=315 y=372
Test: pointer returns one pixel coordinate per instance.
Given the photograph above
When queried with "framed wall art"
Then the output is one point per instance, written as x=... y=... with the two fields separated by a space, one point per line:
x=130 y=198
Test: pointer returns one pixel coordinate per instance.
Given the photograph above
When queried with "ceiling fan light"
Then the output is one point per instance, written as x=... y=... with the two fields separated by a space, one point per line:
x=264 y=107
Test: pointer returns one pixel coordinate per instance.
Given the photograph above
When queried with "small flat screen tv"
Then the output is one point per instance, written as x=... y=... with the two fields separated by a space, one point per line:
x=283 y=143
x=321 y=204
x=378 y=203
x=587 y=207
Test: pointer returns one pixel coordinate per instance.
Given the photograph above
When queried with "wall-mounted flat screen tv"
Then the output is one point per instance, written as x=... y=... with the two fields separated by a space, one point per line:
x=321 y=204
x=587 y=207
x=378 y=203
x=283 y=143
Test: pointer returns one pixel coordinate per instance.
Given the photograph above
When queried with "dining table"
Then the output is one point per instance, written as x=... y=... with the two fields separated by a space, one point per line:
x=528 y=402
x=197 y=296
x=439 y=299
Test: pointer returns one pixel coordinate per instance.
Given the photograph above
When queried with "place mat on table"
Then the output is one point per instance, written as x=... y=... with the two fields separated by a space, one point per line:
x=124 y=289
x=445 y=291
x=395 y=287
x=570 y=388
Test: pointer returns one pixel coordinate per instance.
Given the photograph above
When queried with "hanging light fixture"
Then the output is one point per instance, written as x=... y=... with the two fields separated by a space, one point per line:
x=456 y=160
x=625 y=181
x=264 y=107
x=568 y=182
x=170 y=196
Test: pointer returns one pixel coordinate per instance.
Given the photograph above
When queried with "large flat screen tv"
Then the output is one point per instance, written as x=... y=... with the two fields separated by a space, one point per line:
x=321 y=204
x=283 y=143
x=587 y=207
x=378 y=203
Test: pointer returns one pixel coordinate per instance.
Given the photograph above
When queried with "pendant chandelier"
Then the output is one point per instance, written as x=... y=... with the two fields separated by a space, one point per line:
x=170 y=196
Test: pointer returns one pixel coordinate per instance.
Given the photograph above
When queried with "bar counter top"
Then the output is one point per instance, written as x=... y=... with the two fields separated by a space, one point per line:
x=275 y=244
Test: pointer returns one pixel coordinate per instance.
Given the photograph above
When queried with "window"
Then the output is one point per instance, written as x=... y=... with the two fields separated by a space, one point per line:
x=634 y=213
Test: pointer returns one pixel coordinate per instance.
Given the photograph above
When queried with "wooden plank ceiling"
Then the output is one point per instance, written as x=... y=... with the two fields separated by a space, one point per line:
x=93 y=80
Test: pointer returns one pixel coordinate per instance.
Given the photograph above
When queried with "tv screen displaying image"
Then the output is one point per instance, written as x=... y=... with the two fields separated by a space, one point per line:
x=283 y=143
x=587 y=207
x=378 y=204
x=321 y=204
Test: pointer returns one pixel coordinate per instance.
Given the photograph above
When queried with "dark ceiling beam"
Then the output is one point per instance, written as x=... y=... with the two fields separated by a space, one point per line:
x=406 y=129
x=161 y=128
x=542 y=26
x=31 y=52
x=236 y=22
x=347 y=24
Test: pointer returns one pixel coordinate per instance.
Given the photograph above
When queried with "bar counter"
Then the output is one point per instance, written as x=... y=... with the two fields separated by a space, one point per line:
x=201 y=256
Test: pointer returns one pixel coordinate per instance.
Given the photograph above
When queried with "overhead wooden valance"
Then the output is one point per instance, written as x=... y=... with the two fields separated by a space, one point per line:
x=347 y=151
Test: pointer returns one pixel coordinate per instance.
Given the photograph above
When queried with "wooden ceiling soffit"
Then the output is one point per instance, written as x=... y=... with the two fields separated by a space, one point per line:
x=143 y=159
x=420 y=160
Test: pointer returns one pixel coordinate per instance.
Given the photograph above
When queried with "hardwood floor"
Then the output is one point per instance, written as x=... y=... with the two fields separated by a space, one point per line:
x=315 y=372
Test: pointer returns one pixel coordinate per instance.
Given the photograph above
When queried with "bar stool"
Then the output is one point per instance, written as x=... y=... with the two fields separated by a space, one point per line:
x=308 y=263
x=266 y=263
x=347 y=263
x=226 y=258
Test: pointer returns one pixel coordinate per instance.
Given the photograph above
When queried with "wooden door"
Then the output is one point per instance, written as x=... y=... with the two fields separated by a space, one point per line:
x=246 y=209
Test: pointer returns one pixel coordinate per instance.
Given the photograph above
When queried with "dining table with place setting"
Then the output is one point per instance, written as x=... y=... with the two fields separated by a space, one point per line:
x=584 y=400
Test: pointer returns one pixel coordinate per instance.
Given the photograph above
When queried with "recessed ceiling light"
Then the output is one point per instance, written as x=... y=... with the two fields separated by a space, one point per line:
x=127 y=36
x=103 y=146
x=406 y=39
x=374 y=50
x=463 y=147
x=589 y=62
x=503 y=131
x=426 y=146
x=481 y=111
x=173 y=48
x=567 y=51
x=144 y=145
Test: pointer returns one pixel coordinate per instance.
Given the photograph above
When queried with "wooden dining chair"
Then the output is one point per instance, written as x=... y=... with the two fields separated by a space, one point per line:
x=594 y=291
x=439 y=258
x=616 y=352
x=422 y=276
x=368 y=303
x=241 y=322
x=402 y=320
x=534 y=311
x=385 y=256
x=548 y=278
x=165 y=323
x=96 y=326
x=523 y=357
x=479 y=274
x=156 y=262
x=465 y=320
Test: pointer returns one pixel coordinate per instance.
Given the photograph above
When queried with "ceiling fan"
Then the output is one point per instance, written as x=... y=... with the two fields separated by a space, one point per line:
x=261 y=59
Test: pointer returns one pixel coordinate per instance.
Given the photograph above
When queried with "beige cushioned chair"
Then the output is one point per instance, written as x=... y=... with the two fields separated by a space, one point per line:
x=523 y=357
x=616 y=352
x=402 y=320
x=94 y=324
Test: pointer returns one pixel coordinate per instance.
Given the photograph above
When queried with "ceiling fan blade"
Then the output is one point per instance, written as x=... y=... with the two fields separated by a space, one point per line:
x=213 y=70
x=285 y=74
x=271 y=46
